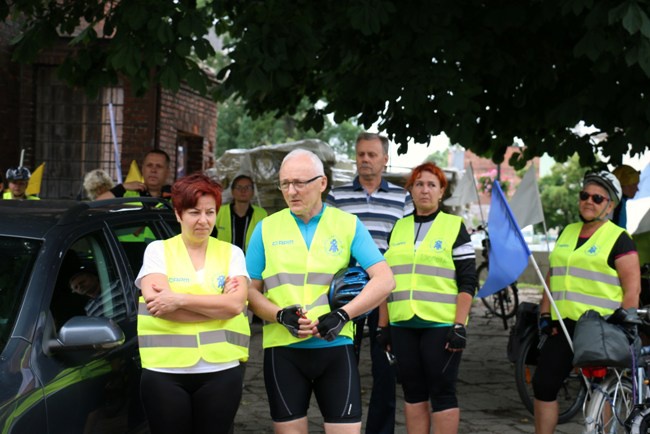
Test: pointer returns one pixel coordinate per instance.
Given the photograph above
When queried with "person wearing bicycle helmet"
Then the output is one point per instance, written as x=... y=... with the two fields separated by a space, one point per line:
x=594 y=265
x=432 y=257
x=18 y=178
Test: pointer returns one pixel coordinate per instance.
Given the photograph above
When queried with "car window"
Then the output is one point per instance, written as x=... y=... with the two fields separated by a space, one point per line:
x=88 y=282
x=134 y=239
x=17 y=261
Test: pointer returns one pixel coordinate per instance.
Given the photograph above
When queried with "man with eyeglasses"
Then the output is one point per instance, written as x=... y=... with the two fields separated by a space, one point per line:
x=292 y=258
x=236 y=222
x=378 y=204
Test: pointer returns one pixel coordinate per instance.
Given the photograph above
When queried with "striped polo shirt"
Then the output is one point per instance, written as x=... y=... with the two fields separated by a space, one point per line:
x=377 y=211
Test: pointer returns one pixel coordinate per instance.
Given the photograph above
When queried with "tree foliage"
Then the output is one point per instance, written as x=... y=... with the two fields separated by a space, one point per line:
x=559 y=193
x=482 y=72
x=238 y=130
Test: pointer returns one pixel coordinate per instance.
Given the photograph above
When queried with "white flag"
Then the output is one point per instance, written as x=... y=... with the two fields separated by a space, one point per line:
x=526 y=204
x=465 y=191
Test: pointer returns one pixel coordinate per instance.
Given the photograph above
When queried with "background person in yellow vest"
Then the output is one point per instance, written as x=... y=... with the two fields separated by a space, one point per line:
x=433 y=260
x=17 y=179
x=594 y=265
x=192 y=330
x=237 y=220
x=155 y=170
x=292 y=258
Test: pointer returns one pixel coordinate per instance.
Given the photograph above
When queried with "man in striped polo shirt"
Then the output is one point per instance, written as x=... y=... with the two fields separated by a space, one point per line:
x=378 y=204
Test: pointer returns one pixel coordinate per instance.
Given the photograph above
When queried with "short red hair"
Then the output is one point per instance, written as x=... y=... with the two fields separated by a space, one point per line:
x=427 y=167
x=187 y=191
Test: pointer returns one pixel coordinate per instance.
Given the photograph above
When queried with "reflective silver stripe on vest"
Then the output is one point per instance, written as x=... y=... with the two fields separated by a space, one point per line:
x=402 y=269
x=323 y=300
x=587 y=274
x=178 y=341
x=142 y=309
x=595 y=276
x=220 y=336
x=319 y=278
x=585 y=299
x=276 y=280
x=429 y=270
x=422 y=296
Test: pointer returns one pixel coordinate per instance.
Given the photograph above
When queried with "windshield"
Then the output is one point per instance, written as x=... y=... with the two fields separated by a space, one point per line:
x=17 y=256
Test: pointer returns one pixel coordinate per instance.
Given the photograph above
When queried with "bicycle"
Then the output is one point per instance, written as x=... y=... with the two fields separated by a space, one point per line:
x=621 y=403
x=503 y=303
x=573 y=393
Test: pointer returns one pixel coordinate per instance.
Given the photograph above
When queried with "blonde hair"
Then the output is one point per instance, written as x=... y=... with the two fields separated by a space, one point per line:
x=97 y=182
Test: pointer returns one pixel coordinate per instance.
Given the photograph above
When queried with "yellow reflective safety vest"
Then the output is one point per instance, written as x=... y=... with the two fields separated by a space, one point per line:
x=224 y=223
x=8 y=195
x=580 y=278
x=170 y=344
x=297 y=275
x=425 y=279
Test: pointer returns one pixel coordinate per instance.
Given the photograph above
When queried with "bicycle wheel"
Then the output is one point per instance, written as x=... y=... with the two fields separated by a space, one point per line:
x=640 y=424
x=610 y=405
x=570 y=397
x=508 y=295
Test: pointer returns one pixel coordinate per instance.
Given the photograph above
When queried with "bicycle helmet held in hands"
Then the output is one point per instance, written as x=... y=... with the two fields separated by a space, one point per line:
x=347 y=284
x=20 y=173
x=606 y=180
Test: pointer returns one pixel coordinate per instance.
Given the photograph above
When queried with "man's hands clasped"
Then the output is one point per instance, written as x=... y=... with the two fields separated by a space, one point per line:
x=328 y=326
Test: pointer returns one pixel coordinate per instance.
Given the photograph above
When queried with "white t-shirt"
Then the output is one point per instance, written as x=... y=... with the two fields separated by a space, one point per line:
x=154 y=262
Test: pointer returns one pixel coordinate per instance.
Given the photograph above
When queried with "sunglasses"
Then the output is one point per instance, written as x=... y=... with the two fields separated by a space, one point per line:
x=596 y=198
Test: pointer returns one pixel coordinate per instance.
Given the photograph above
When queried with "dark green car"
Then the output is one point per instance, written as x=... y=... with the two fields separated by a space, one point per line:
x=69 y=358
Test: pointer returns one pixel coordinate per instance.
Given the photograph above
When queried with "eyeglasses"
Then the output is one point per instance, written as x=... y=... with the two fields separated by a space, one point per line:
x=243 y=187
x=596 y=198
x=298 y=185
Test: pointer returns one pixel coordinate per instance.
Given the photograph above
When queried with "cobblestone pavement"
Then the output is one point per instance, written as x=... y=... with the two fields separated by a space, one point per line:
x=487 y=394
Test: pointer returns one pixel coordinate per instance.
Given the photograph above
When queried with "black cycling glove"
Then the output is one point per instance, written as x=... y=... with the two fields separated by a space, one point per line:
x=456 y=337
x=383 y=337
x=289 y=317
x=330 y=324
x=545 y=324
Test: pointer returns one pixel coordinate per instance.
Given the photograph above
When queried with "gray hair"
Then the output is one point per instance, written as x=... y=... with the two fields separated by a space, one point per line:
x=316 y=162
x=374 y=136
x=97 y=182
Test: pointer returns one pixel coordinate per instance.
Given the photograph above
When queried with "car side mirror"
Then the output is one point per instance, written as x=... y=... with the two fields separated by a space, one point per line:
x=87 y=333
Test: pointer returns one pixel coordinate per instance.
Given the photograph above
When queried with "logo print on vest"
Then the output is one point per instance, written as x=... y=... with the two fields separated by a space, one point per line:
x=437 y=245
x=219 y=282
x=333 y=247
x=593 y=250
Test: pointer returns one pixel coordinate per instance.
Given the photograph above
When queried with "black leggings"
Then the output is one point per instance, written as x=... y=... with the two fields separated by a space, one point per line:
x=554 y=364
x=427 y=370
x=191 y=403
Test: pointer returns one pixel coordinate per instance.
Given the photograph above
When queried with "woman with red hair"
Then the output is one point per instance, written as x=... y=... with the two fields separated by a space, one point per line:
x=192 y=329
x=431 y=255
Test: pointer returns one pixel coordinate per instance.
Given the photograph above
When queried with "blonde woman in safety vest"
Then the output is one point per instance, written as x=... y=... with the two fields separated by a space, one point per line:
x=594 y=265
x=431 y=255
x=192 y=329
x=292 y=257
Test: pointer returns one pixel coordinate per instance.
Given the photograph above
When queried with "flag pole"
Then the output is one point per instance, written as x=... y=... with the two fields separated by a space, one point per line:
x=478 y=196
x=550 y=298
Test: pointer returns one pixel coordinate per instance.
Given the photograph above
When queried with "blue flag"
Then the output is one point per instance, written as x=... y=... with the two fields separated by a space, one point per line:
x=509 y=252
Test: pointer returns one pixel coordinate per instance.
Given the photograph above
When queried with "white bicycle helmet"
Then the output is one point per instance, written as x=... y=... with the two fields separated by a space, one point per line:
x=608 y=181
x=20 y=173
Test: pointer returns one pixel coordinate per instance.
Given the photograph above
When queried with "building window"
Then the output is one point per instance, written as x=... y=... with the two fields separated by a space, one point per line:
x=74 y=133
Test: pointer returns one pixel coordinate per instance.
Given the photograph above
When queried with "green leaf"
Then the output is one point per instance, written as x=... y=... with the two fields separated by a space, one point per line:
x=633 y=20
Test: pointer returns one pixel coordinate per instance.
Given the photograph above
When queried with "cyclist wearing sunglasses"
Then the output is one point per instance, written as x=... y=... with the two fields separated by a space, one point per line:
x=594 y=265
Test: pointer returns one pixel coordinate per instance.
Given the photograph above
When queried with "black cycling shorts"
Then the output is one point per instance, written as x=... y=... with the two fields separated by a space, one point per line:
x=554 y=364
x=291 y=374
x=426 y=369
